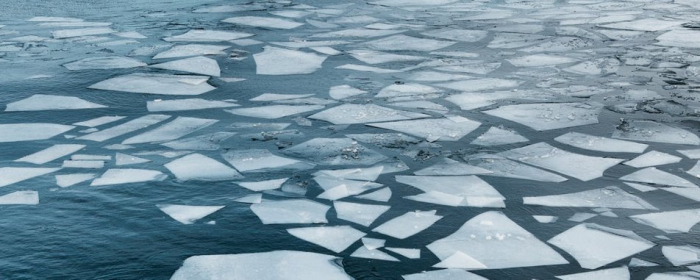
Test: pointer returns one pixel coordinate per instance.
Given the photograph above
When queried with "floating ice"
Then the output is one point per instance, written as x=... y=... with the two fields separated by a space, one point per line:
x=548 y=116
x=406 y=252
x=499 y=136
x=443 y=274
x=671 y=221
x=408 y=224
x=175 y=129
x=364 y=68
x=450 y=167
x=202 y=142
x=581 y=216
x=51 y=153
x=277 y=97
x=186 y=104
x=20 y=198
x=403 y=3
x=619 y=273
x=264 y=22
x=197 y=65
x=16 y=132
x=503 y=167
x=545 y=219
x=165 y=84
x=496 y=242
x=41 y=102
x=292 y=211
x=641 y=187
x=635 y=262
x=690 y=275
x=471 y=190
x=447 y=129
x=460 y=260
x=373 y=243
x=127 y=127
x=683 y=38
x=365 y=174
x=126 y=176
x=263 y=185
x=365 y=253
x=187 y=214
x=200 y=167
x=357 y=33
x=381 y=195
x=124 y=159
x=602 y=144
x=681 y=255
x=652 y=158
x=461 y=35
x=274 y=111
x=278 y=61
x=114 y=62
x=191 y=50
x=260 y=160
x=695 y=171
x=68 y=180
x=609 y=197
x=594 y=246
x=207 y=36
x=69 y=33
x=251 y=199
x=99 y=121
x=262 y=266
x=410 y=89
x=476 y=85
x=375 y=57
x=407 y=43
x=651 y=131
x=89 y=164
x=11 y=175
x=336 y=239
x=334 y=151
x=356 y=113
x=546 y=156
x=344 y=91
x=362 y=214
x=652 y=175
x=646 y=24
x=54 y=19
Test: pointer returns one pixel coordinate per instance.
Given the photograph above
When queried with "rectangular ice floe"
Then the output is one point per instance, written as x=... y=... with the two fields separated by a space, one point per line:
x=408 y=224
x=446 y=129
x=11 y=175
x=450 y=167
x=20 y=198
x=602 y=144
x=406 y=43
x=51 y=153
x=151 y=83
x=291 y=211
x=609 y=197
x=335 y=238
x=99 y=121
x=493 y=241
x=191 y=50
x=68 y=180
x=202 y=168
x=127 y=176
x=260 y=160
x=263 y=185
x=43 y=102
x=279 y=61
x=454 y=190
x=594 y=246
x=548 y=116
x=365 y=174
x=17 y=132
x=208 y=142
x=175 y=129
x=124 y=128
x=376 y=57
x=618 y=273
x=477 y=85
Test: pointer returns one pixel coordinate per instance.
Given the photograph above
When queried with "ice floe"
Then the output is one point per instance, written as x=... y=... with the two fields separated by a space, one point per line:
x=652 y=175
x=264 y=22
x=175 y=129
x=609 y=197
x=334 y=151
x=20 y=198
x=406 y=43
x=69 y=33
x=51 y=153
x=263 y=185
x=444 y=274
x=187 y=104
x=408 y=224
x=260 y=160
x=124 y=128
x=670 y=221
x=503 y=167
x=362 y=214
x=454 y=190
x=499 y=136
x=651 y=131
x=207 y=36
x=164 y=84
x=279 y=61
x=365 y=253
x=126 y=176
x=197 y=65
x=602 y=144
x=652 y=158
x=68 y=180
x=292 y=211
x=548 y=116
x=200 y=167
x=191 y=50
x=618 y=273
x=446 y=129
x=335 y=238
x=274 y=111
x=17 y=132
x=187 y=214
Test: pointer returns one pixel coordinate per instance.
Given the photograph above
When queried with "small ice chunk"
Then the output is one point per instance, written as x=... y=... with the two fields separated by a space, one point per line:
x=381 y=195
x=69 y=33
x=90 y=157
x=496 y=136
x=20 y=198
x=250 y=199
x=602 y=144
x=99 y=121
x=111 y=62
x=335 y=151
x=609 y=197
x=260 y=160
x=651 y=131
x=68 y=180
x=443 y=274
x=548 y=116
x=207 y=36
x=17 y=132
x=150 y=83
x=450 y=167
x=278 y=61
x=292 y=211
x=670 y=221
x=446 y=129
x=51 y=153
x=503 y=167
x=175 y=129
x=691 y=154
x=262 y=266
x=594 y=246
x=406 y=252
x=187 y=214
x=201 y=168
x=263 y=185
x=336 y=238
x=191 y=50
x=652 y=175
x=407 y=43
x=362 y=214
x=581 y=216
x=545 y=219
x=652 y=158
x=635 y=262
x=408 y=224
x=89 y=164
x=197 y=65
x=187 y=104
x=619 y=273
x=11 y=175
x=365 y=253
x=124 y=128
x=126 y=176
x=264 y=22
x=274 y=111
x=681 y=255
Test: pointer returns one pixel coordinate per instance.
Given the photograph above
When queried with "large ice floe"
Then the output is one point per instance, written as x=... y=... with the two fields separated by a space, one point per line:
x=164 y=84
x=279 y=61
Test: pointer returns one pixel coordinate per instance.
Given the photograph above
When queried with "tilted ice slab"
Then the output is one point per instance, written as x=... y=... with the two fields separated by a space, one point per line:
x=274 y=111
x=175 y=129
x=16 y=132
x=69 y=33
x=602 y=144
x=197 y=65
x=444 y=274
x=594 y=246
x=447 y=129
x=548 y=116
x=406 y=43
x=364 y=174
x=653 y=158
x=200 y=167
x=20 y=198
x=476 y=85
x=126 y=176
x=192 y=50
x=471 y=190
x=618 y=273
x=291 y=211
x=334 y=151
x=582 y=167
x=187 y=104
x=336 y=238
x=127 y=127
x=403 y=3
x=683 y=38
x=608 y=197
x=494 y=241
x=42 y=102
x=670 y=221
x=375 y=57
x=263 y=185
x=165 y=84
x=496 y=136
x=51 y=153
x=362 y=214
x=112 y=62
x=275 y=265
x=462 y=35
x=503 y=167
x=450 y=167
x=260 y=160
x=652 y=175
x=279 y=61
x=651 y=131
x=344 y=91
x=408 y=224
x=363 y=113
x=68 y=180
x=207 y=36
x=264 y=22
x=187 y=214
